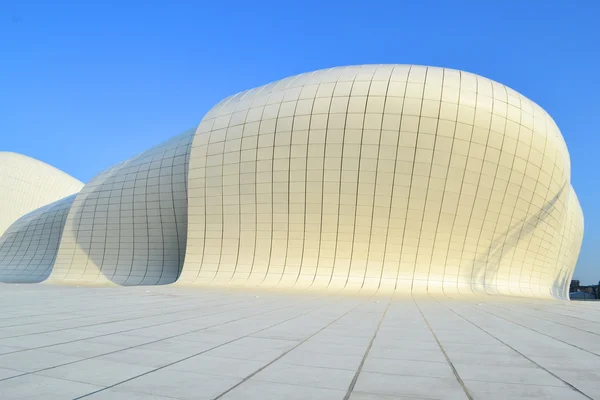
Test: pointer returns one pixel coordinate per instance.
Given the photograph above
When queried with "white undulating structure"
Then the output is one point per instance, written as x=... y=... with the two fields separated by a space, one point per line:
x=129 y=224
x=375 y=178
x=27 y=184
x=28 y=248
x=382 y=177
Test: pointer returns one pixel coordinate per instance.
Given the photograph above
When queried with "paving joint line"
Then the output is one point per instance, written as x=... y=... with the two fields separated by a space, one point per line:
x=113 y=321
x=207 y=350
x=554 y=322
x=284 y=354
x=139 y=345
x=571 y=386
x=364 y=358
x=454 y=371
x=536 y=331
x=86 y=316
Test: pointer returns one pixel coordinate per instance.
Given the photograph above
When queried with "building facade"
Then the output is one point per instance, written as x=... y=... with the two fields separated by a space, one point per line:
x=375 y=178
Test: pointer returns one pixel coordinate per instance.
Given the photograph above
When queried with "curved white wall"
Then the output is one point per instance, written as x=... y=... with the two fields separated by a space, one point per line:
x=382 y=177
x=129 y=224
x=28 y=248
x=27 y=184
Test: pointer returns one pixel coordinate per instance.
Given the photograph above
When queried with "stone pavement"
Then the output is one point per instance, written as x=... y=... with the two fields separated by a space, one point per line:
x=182 y=343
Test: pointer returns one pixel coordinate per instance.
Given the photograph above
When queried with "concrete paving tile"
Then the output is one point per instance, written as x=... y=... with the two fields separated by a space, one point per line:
x=267 y=343
x=143 y=357
x=18 y=331
x=219 y=366
x=285 y=332
x=407 y=354
x=83 y=348
x=503 y=391
x=405 y=335
x=415 y=386
x=68 y=335
x=452 y=348
x=503 y=360
x=374 y=396
x=406 y=343
x=178 y=346
x=582 y=374
x=9 y=349
x=180 y=384
x=34 y=386
x=588 y=380
x=159 y=331
x=331 y=348
x=121 y=340
x=328 y=378
x=553 y=348
x=9 y=373
x=34 y=360
x=245 y=353
x=462 y=337
x=576 y=362
x=341 y=340
x=204 y=337
x=253 y=389
x=107 y=328
x=40 y=319
x=36 y=340
x=114 y=394
x=590 y=387
x=408 y=367
x=300 y=356
x=337 y=328
x=496 y=373
x=96 y=371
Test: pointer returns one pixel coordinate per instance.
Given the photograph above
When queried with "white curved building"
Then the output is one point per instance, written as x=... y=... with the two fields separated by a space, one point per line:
x=382 y=177
x=388 y=178
x=27 y=184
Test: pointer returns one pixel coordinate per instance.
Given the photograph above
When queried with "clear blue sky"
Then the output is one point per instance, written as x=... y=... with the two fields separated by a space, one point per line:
x=85 y=84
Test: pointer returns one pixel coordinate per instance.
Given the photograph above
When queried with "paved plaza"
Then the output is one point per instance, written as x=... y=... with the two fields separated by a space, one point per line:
x=181 y=343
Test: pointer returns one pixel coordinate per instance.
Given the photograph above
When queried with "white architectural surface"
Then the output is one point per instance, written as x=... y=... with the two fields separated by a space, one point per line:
x=27 y=184
x=374 y=178
x=28 y=248
x=382 y=178
x=129 y=224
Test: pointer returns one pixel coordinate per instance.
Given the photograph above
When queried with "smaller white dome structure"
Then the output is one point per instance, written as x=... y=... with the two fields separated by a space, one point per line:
x=27 y=184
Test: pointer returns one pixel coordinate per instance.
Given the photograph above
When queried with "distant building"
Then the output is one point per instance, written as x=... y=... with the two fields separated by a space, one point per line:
x=578 y=292
x=582 y=296
x=574 y=286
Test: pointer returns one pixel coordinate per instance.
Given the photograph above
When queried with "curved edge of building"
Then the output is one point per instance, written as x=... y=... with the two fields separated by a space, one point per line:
x=27 y=184
x=570 y=246
x=128 y=225
x=28 y=248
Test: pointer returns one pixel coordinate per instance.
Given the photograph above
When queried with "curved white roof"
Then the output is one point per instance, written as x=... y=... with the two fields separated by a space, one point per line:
x=27 y=184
